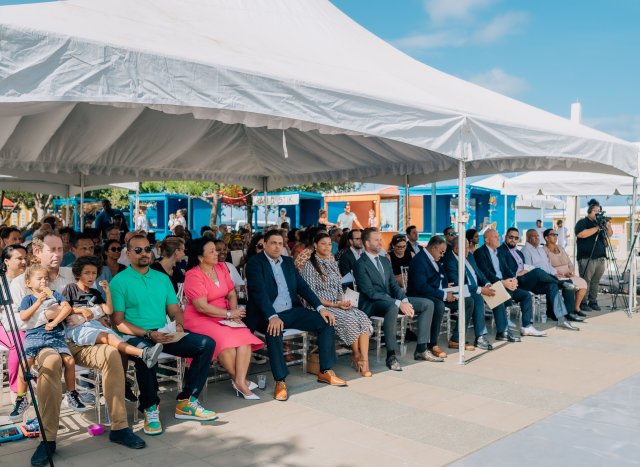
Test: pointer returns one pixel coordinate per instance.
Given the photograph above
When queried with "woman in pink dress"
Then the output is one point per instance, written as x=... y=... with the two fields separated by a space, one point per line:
x=212 y=299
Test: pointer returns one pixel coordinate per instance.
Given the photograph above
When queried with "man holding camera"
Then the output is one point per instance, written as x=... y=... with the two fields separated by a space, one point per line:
x=591 y=233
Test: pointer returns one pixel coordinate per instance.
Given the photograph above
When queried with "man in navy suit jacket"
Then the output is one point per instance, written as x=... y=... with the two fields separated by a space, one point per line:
x=273 y=284
x=427 y=280
x=536 y=280
x=478 y=286
x=380 y=295
x=494 y=268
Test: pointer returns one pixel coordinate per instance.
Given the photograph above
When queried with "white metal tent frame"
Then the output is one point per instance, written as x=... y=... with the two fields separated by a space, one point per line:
x=263 y=93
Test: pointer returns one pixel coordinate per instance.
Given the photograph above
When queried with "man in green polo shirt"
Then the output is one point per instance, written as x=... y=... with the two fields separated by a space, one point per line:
x=142 y=299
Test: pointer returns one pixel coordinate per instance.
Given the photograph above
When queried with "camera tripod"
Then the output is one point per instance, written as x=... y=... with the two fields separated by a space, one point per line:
x=628 y=264
x=14 y=333
x=616 y=280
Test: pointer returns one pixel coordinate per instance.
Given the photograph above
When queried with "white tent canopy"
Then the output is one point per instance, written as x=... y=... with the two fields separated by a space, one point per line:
x=568 y=183
x=539 y=202
x=8 y=183
x=203 y=89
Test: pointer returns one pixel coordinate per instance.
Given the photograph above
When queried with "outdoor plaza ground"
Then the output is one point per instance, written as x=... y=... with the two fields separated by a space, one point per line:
x=571 y=398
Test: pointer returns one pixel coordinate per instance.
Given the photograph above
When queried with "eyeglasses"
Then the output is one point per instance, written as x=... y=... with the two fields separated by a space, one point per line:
x=138 y=250
x=511 y=237
x=260 y=246
x=452 y=234
x=115 y=248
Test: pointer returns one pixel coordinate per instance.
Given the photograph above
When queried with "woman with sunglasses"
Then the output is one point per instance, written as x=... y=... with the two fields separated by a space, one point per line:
x=172 y=252
x=399 y=256
x=559 y=259
x=473 y=237
x=111 y=255
x=256 y=245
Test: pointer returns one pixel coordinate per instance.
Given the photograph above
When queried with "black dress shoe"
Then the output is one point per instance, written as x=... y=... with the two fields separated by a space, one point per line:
x=552 y=317
x=393 y=363
x=594 y=306
x=581 y=313
x=574 y=317
x=39 y=457
x=584 y=307
x=507 y=336
x=483 y=343
x=127 y=438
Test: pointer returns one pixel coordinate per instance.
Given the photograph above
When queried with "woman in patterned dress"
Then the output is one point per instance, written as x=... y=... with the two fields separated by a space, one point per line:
x=352 y=326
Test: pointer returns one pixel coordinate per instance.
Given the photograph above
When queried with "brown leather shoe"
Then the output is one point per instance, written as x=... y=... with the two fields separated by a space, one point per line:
x=438 y=352
x=280 y=393
x=468 y=347
x=329 y=377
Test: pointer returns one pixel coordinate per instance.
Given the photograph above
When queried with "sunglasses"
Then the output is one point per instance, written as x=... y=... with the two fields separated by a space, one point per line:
x=115 y=248
x=137 y=250
x=260 y=246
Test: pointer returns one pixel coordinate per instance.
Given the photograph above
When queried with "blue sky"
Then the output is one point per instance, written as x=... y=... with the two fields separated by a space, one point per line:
x=546 y=53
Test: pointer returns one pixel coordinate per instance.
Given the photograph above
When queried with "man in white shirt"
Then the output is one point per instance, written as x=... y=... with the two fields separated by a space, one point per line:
x=535 y=256
x=348 y=219
x=563 y=234
x=412 y=239
x=540 y=229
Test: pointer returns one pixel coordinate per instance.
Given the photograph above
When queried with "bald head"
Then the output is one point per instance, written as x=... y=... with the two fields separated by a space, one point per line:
x=491 y=238
x=533 y=237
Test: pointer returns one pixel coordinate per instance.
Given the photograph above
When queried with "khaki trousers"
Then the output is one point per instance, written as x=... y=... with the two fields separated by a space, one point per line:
x=49 y=389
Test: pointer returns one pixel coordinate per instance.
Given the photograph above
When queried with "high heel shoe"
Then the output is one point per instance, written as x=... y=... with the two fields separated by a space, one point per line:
x=250 y=397
x=363 y=368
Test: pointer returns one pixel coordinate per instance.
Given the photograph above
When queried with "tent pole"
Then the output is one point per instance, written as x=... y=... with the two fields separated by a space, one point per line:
x=68 y=205
x=135 y=215
x=266 y=204
x=462 y=248
x=506 y=212
x=633 y=247
x=407 y=212
x=81 y=202
x=434 y=196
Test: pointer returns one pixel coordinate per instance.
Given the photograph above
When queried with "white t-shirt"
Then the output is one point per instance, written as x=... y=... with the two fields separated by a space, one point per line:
x=345 y=220
x=562 y=236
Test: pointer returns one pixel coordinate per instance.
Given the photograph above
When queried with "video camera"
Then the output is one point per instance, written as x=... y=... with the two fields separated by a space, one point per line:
x=601 y=219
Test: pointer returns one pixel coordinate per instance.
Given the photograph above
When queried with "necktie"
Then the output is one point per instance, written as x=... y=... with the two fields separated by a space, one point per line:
x=470 y=279
x=379 y=266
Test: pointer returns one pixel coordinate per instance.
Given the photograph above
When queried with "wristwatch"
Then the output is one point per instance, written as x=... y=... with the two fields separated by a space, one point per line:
x=147 y=334
x=228 y=314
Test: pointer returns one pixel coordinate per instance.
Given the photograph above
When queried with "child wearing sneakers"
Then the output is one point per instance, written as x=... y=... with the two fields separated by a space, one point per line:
x=89 y=323
x=42 y=312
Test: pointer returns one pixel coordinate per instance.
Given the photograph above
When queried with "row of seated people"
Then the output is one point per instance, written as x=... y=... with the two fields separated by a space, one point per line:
x=139 y=299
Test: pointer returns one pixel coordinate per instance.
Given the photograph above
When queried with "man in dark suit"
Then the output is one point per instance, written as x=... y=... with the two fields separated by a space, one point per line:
x=535 y=280
x=273 y=284
x=380 y=295
x=428 y=281
x=351 y=254
x=479 y=285
x=494 y=269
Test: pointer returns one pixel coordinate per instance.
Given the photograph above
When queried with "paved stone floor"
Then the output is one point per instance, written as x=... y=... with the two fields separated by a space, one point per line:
x=549 y=401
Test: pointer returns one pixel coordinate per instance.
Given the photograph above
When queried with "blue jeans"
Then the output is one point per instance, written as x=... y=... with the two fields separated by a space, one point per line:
x=195 y=346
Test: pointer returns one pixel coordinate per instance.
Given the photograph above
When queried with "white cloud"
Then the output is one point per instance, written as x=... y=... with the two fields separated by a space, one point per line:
x=498 y=80
x=444 y=10
x=429 y=41
x=626 y=127
x=500 y=27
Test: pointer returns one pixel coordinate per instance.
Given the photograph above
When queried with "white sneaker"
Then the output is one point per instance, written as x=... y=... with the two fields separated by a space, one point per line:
x=531 y=331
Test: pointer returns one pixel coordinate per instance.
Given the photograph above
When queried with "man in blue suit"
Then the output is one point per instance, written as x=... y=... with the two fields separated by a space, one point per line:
x=536 y=280
x=478 y=285
x=427 y=280
x=380 y=295
x=494 y=269
x=273 y=284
